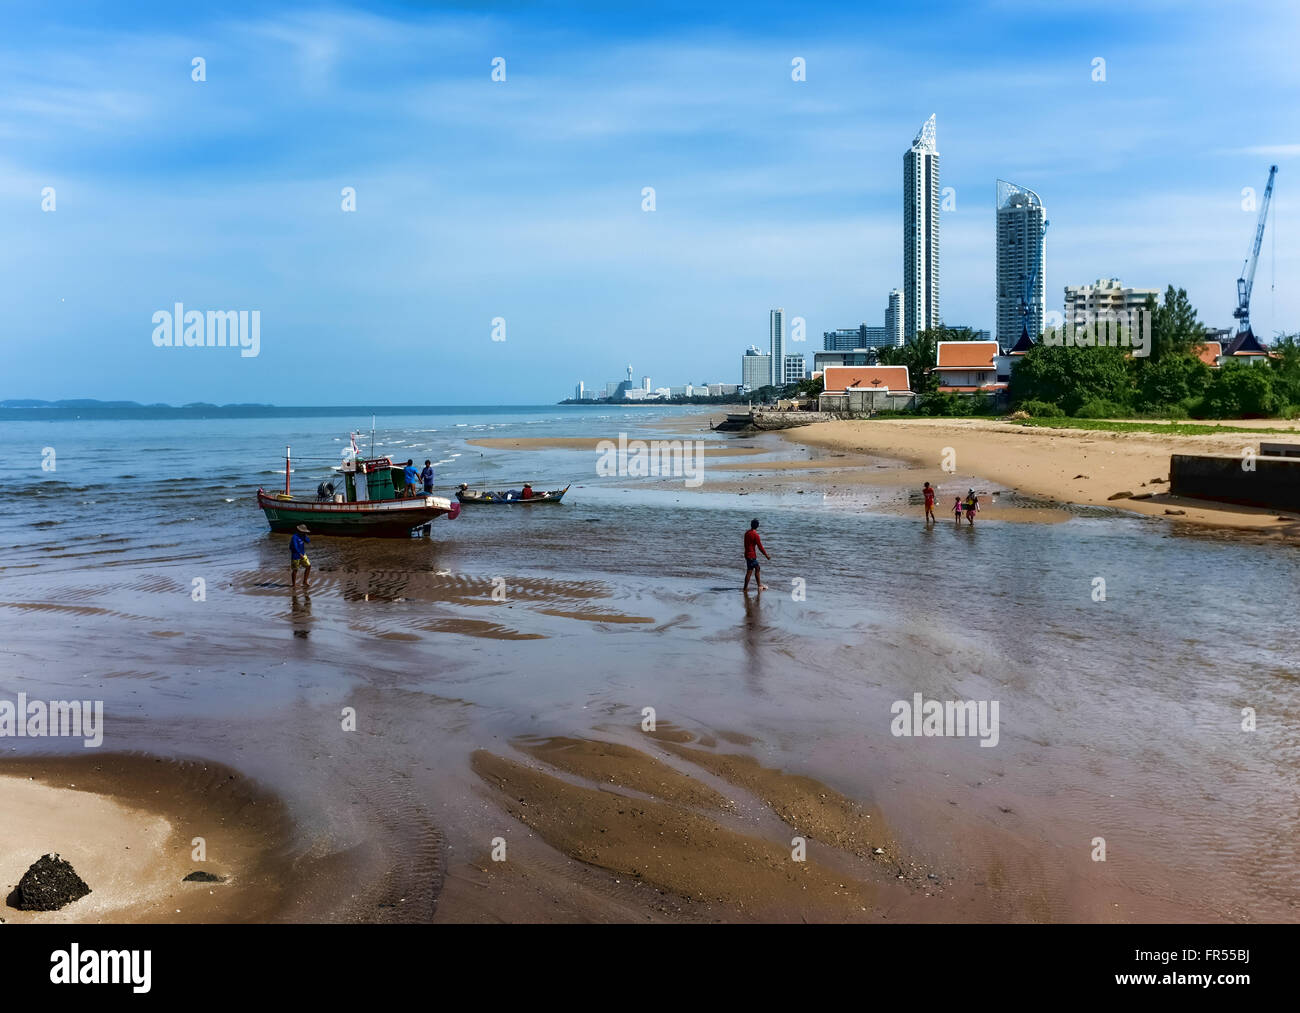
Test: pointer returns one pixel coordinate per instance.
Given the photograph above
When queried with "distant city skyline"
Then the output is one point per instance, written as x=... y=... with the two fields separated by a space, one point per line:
x=500 y=248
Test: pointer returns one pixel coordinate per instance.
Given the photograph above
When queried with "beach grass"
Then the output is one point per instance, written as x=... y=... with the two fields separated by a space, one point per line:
x=1147 y=426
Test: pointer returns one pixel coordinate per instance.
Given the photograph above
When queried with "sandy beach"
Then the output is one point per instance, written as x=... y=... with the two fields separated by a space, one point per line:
x=127 y=825
x=1065 y=465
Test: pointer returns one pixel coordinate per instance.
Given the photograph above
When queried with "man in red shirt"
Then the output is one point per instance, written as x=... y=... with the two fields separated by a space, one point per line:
x=753 y=546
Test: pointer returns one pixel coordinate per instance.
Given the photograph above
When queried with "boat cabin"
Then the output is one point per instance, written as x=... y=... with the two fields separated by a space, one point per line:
x=372 y=479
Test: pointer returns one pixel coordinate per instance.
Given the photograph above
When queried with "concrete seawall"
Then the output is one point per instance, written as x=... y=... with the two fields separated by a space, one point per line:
x=1274 y=483
x=789 y=420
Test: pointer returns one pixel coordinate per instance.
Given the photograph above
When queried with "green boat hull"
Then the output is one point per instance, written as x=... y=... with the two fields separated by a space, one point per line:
x=383 y=519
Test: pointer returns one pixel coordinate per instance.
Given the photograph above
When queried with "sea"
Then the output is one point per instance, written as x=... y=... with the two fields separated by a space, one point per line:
x=1161 y=719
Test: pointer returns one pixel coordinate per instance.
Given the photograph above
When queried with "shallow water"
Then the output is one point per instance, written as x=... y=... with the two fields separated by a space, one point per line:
x=1119 y=719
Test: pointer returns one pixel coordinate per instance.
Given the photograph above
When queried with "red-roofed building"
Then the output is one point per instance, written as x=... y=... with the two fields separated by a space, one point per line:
x=1210 y=353
x=968 y=367
x=838 y=379
x=867 y=389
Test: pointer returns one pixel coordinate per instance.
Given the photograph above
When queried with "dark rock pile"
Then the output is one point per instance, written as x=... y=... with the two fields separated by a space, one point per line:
x=203 y=877
x=50 y=883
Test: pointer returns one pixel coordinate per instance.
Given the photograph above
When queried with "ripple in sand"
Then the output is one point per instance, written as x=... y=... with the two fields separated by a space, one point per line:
x=479 y=628
x=592 y=616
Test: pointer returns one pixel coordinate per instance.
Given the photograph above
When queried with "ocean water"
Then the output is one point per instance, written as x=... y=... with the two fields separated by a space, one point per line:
x=1119 y=719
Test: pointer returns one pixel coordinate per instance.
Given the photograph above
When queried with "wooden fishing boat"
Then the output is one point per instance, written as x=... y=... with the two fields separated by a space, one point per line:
x=508 y=497
x=370 y=505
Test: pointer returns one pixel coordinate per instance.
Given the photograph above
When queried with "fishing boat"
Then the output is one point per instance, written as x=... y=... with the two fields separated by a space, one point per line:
x=370 y=504
x=508 y=497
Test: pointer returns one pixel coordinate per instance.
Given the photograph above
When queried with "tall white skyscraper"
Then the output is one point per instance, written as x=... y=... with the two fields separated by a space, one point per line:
x=921 y=233
x=1021 y=264
x=894 y=318
x=776 y=335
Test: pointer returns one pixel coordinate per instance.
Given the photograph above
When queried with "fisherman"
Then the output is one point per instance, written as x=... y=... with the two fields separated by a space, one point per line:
x=527 y=492
x=426 y=476
x=298 y=556
x=412 y=476
x=928 y=493
x=753 y=546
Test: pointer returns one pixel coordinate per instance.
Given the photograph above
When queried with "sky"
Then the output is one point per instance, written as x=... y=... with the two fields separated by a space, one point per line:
x=522 y=199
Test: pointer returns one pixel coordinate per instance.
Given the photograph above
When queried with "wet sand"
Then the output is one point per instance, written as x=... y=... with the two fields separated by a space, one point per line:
x=715 y=449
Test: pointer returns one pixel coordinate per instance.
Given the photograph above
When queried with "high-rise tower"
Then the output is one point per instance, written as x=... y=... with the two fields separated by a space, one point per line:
x=776 y=336
x=1022 y=264
x=921 y=233
x=894 y=318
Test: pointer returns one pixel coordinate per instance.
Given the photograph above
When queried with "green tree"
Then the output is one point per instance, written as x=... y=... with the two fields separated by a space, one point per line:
x=1241 y=391
x=1174 y=327
x=810 y=388
x=1071 y=377
x=1170 y=381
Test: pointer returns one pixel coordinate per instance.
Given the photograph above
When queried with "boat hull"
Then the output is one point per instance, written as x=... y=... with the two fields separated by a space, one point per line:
x=477 y=499
x=380 y=519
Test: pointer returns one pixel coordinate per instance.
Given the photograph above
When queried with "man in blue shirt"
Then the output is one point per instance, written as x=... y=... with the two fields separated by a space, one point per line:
x=411 y=477
x=426 y=476
x=298 y=556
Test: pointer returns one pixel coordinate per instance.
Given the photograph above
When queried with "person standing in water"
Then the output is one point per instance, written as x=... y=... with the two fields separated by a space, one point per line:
x=753 y=546
x=928 y=493
x=956 y=509
x=972 y=506
x=298 y=557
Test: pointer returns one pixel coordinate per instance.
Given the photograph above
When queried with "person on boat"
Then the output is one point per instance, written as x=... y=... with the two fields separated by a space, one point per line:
x=753 y=546
x=928 y=493
x=298 y=556
x=412 y=476
x=426 y=476
x=527 y=492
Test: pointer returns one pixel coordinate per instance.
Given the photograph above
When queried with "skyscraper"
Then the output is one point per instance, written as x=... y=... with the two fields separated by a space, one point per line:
x=776 y=336
x=894 y=318
x=921 y=233
x=755 y=369
x=1022 y=264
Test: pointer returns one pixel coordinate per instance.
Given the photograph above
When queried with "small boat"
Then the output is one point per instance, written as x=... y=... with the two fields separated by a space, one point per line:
x=370 y=505
x=508 y=497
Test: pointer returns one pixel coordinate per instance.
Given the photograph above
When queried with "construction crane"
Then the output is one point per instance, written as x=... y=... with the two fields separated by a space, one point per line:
x=1247 y=280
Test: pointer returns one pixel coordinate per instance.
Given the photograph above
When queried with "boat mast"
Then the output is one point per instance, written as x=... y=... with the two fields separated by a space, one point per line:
x=286 y=470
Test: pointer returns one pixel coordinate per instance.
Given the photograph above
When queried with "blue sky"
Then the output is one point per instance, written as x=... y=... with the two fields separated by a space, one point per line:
x=522 y=199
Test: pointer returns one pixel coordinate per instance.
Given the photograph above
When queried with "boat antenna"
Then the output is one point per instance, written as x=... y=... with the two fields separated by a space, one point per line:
x=372 y=436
